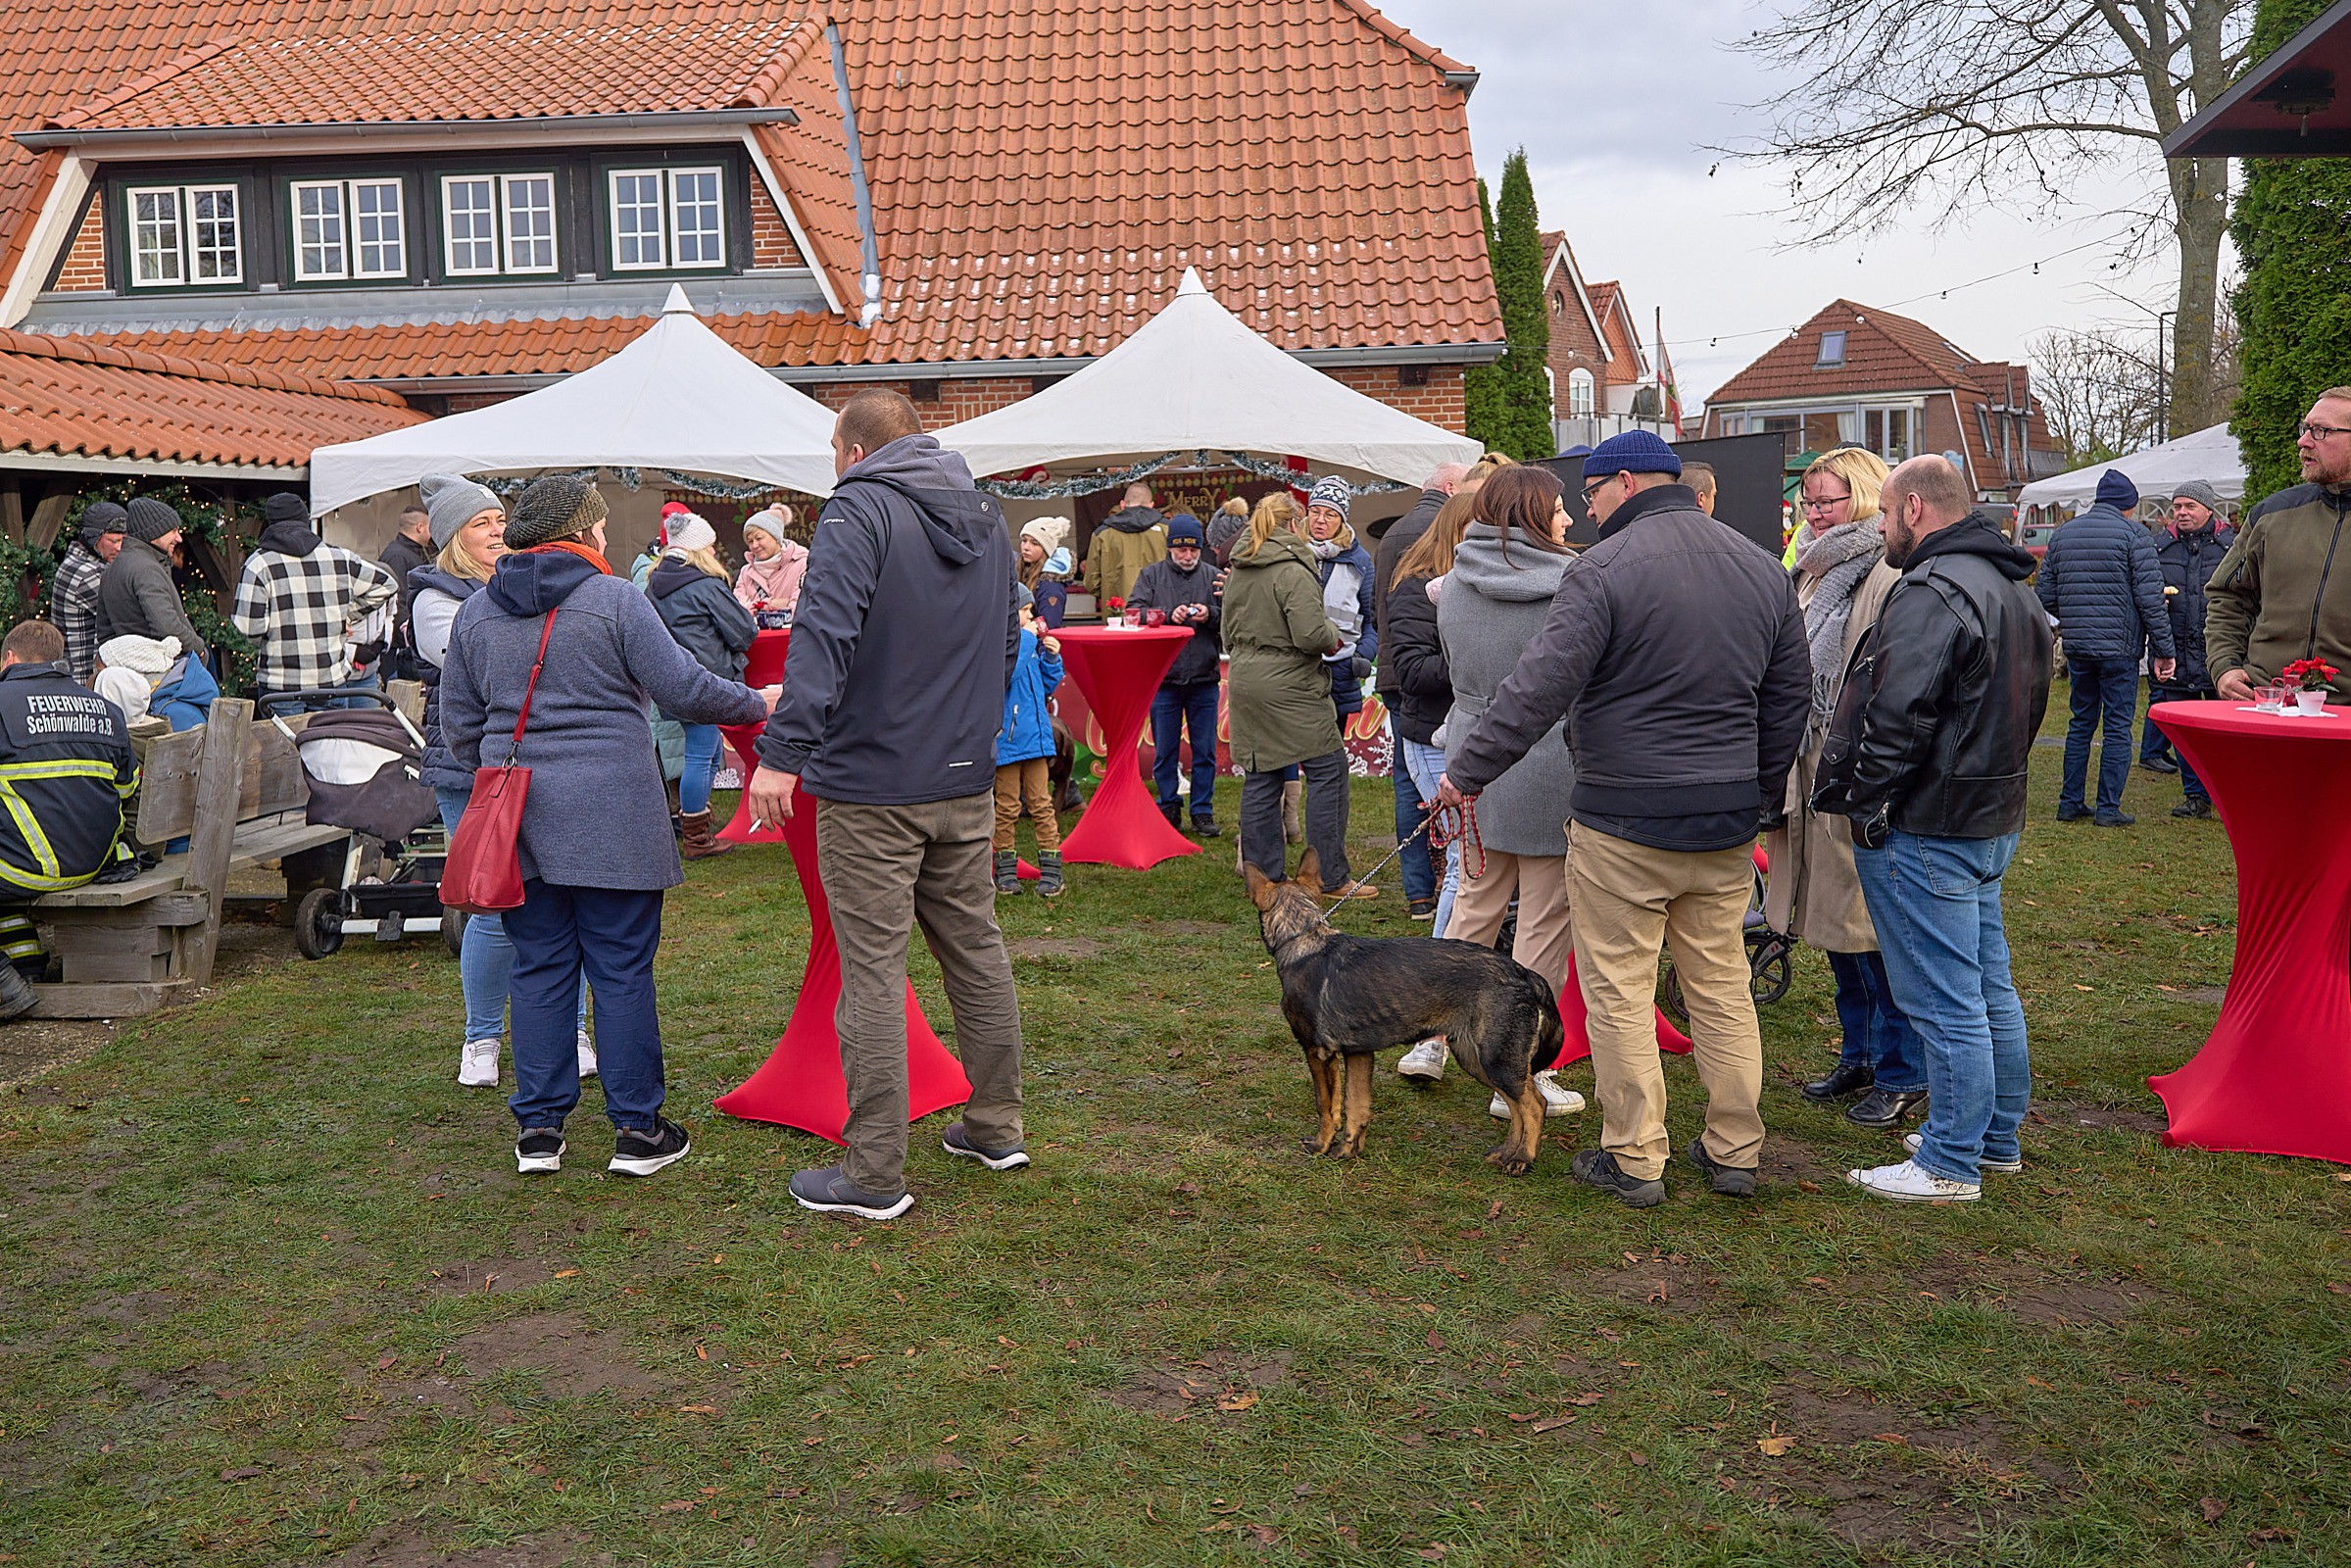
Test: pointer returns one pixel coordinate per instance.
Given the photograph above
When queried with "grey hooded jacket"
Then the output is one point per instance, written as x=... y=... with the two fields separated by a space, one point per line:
x=1487 y=613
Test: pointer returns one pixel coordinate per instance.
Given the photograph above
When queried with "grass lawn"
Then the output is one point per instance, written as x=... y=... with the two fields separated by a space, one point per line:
x=271 y=1291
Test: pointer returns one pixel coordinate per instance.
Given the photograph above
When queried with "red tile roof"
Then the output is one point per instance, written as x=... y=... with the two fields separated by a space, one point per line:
x=399 y=75
x=69 y=398
x=1041 y=174
x=1884 y=353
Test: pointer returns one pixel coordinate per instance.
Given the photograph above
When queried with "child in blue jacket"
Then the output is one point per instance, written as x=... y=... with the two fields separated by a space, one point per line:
x=1024 y=751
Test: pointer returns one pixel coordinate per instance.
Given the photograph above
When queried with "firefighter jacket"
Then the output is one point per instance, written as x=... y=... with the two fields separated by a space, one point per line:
x=66 y=768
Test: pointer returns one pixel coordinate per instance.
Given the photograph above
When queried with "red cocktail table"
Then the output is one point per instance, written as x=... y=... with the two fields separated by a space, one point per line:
x=799 y=1085
x=2275 y=1078
x=1119 y=671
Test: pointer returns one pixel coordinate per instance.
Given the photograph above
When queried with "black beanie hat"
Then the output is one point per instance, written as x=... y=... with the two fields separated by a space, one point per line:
x=554 y=508
x=287 y=507
x=100 y=518
x=149 y=518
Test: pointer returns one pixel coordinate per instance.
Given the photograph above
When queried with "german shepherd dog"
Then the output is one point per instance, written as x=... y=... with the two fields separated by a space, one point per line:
x=1347 y=997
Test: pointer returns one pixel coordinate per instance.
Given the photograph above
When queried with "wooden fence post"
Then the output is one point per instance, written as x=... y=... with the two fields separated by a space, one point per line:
x=219 y=780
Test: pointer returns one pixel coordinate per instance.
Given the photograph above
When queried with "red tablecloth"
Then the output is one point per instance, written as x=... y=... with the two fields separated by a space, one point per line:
x=2275 y=1076
x=1119 y=671
x=801 y=1085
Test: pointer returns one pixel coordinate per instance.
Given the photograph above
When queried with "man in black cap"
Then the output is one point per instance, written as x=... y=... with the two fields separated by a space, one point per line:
x=74 y=595
x=67 y=767
x=138 y=597
x=2102 y=583
x=300 y=600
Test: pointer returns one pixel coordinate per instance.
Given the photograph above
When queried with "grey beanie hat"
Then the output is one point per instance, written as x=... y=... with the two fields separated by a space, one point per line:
x=149 y=518
x=102 y=518
x=554 y=508
x=2198 y=491
x=451 y=501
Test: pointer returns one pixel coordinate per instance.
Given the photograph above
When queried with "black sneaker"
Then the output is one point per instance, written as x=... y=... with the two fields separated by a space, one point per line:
x=2159 y=765
x=1728 y=1180
x=539 y=1148
x=829 y=1191
x=2193 y=806
x=1206 y=827
x=636 y=1153
x=1421 y=908
x=1597 y=1167
x=2114 y=819
x=2078 y=814
x=957 y=1143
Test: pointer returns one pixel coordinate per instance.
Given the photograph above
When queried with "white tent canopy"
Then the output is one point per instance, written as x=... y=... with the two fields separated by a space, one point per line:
x=1193 y=377
x=680 y=398
x=2208 y=454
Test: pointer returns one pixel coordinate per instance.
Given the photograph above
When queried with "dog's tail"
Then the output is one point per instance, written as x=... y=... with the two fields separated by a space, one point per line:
x=1550 y=1035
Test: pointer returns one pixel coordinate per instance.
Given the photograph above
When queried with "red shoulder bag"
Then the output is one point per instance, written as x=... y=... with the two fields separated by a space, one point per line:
x=483 y=874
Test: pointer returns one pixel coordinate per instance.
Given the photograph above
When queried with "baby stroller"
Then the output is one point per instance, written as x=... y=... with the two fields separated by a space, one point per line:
x=364 y=766
x=1771 y=955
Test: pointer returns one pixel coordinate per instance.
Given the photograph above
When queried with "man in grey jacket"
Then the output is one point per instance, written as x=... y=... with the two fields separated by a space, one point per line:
x=137 y=596
x=902 y=648
x=1676 y=651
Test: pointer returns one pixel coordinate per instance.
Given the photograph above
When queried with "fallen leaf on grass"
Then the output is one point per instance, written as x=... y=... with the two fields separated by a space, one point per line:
x=243 y=1472
x=1584 y=1399
x=1266 y=1535
x=698 y=1409
x=2213 y=1509
x=677 y=1507
x=1554 y=1424
x=1494 y=1208
x=1894 y=1438
x=2273 y=1534
x=384 y=1362
x=1434 y=1552
x=565 y=1273
x=1638 y=1457
x=1237 y=1402
x=1808 y=1186
x=1775 y=1445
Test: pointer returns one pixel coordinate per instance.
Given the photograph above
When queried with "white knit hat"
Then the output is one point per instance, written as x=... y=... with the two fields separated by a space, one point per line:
x=1051 y=533
x=770 y=522
x=148 y=656
x=690 y=530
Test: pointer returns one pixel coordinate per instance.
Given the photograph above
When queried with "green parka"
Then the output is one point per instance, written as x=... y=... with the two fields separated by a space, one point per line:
x=2284 y=590
x=1276 y=634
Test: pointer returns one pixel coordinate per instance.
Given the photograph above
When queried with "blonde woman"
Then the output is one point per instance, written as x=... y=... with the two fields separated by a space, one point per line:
x=1815 y=894
x=688 y=587
x=773 y=564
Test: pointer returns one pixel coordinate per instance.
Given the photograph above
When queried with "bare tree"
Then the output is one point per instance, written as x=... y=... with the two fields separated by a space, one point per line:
x=1956 y=104
x=2107 y=390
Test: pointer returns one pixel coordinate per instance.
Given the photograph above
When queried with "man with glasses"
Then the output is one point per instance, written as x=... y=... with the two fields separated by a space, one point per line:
x=2282 y=593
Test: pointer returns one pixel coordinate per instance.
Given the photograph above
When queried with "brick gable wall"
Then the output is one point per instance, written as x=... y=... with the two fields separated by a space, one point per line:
x=83 y=270
x=771 y=237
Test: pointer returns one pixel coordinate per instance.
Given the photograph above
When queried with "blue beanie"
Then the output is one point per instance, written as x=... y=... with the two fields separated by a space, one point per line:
x=2115 y=489
x=1184 y=529
x=1632 y=452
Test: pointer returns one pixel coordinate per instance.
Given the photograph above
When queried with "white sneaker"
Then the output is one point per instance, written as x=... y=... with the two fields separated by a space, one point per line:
x=1998 y=1167
x=478 y=1064
x=1557 y=1101
x=1907 y=1183
x=587 y=1056
x=1423 y=1062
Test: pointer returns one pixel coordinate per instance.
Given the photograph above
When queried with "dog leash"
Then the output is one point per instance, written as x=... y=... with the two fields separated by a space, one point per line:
x=1445 y=825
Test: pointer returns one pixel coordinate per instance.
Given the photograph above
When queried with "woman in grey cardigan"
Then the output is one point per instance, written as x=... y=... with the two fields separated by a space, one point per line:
x=1489 y=605
x=596 y=848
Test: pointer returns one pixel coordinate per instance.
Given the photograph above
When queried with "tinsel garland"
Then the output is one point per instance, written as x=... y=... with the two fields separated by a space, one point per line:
x=634 y=479
x=1093 y=483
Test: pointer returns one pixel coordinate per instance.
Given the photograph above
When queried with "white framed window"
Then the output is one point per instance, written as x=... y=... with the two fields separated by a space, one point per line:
x=470 y=224
x=181 y=234
x=1579 y=394
x=672 y=217
x=497 y=223
x=348 y=230
x=527 y=204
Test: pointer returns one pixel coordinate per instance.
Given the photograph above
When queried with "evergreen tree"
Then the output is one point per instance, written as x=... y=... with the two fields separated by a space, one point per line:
x=1523 y=375
x=1481 y=384
x=2293 y=235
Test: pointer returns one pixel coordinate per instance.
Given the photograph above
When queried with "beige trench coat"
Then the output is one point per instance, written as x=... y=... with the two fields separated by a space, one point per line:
x=1813 y=894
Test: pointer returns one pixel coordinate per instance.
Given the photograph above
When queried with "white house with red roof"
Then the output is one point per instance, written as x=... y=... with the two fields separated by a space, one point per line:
x=1603 y=379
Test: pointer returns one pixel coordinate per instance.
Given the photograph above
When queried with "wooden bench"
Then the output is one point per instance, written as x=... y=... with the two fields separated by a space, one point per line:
x=234 y=789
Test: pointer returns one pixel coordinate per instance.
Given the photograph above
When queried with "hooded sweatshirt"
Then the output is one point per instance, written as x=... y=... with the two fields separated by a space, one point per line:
x=904 y=638
x=1493 y=606
x=1128 y=540
x=707 y=620
x=596 y=816
x=300 y=601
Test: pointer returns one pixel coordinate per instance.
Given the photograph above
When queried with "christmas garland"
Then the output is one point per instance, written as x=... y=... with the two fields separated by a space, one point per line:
x=200 y=518
x=1094 y=483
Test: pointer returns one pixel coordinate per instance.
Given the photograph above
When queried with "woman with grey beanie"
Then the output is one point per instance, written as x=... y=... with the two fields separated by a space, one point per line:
x=594 y=845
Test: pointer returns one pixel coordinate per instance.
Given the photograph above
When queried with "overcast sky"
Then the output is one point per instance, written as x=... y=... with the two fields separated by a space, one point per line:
x=1615 y=105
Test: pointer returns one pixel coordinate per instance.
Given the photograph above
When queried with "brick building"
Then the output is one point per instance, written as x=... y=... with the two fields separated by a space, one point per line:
x=461 y=200
x=1858 y=376
x=1599 y=366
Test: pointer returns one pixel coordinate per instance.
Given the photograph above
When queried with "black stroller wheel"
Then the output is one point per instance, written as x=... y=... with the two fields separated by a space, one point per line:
x=1670 y=997
x=319 y=922
x=452 y=930
x=1770 y=971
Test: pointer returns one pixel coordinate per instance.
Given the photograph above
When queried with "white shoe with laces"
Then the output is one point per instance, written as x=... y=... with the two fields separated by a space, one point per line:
x=1998 y=1167
x=587 y=1056
x=1907 y=1183
x=1557 y=1101
x=1423 y=1062
x=478 y=1064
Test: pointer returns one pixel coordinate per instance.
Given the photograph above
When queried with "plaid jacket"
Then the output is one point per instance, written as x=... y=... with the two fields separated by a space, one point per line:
x=299 y=610
x=73 y=607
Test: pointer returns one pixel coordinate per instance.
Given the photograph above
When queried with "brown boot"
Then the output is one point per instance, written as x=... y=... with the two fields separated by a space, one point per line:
x=700 y=844
x=1294 y=831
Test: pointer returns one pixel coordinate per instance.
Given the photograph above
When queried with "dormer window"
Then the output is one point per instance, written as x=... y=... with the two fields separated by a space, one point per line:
x=1833 y=350
x=498 y=224
x=348 y=230
x=183 y=234
x=665 y=219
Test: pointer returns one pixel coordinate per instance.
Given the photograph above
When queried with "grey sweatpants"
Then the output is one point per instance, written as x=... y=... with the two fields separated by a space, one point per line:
x=885 y=868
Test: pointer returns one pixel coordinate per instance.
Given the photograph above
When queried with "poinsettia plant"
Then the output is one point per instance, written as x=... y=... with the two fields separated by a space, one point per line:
x=1117 y=603
x=2310 y=674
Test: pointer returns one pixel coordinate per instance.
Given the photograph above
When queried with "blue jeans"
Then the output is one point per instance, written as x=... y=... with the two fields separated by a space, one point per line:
x=485 y=958
x=1876 y=1034
x=1936 y=906
x=1175 y=710
x=608 y=935
x=701 y=766
x=313 y=704
x=1415 y=866
x=2111 y=685
x=1426 y=764
x=2190 y=784
x=2153 y=744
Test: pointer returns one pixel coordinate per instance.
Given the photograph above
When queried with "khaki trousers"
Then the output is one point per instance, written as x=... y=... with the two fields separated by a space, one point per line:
x=1545 y=934
x=1631 y=900
x=1028 y=785
x=885 y=869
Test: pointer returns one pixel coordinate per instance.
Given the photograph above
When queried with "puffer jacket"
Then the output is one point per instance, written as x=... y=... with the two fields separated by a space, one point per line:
x=2188 y=560
x=1278 y=700
x=2102 y=580
x=1424 y=691
x=1028 y=731
x=2284 y=590
x=1933 y=728
x=441 y=770
x=703 y=613
x=1350 y=599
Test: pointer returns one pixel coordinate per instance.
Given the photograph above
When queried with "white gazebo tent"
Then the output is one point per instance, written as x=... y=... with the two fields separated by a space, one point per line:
x=1195 y=379
x=2209 y=454
x=680 y=398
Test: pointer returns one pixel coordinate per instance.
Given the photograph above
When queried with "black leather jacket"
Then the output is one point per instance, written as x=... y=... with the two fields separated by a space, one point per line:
x=1935 y=727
